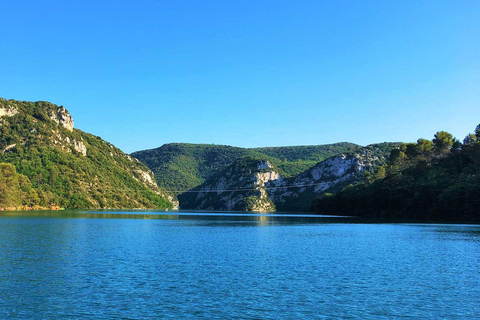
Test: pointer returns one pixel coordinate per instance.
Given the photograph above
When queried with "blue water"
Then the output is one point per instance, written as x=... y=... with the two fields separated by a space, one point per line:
x=147 y=265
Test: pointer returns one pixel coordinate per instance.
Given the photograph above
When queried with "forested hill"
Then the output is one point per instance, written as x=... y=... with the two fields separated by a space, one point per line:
x=436 y=180
x=183 y=166
x=308 y=153
x=55 y=164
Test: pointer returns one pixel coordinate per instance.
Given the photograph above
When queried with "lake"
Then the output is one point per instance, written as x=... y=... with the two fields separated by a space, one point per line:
x=194 y=265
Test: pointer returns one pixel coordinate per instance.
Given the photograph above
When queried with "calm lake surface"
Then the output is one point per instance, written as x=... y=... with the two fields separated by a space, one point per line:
x=146 y=265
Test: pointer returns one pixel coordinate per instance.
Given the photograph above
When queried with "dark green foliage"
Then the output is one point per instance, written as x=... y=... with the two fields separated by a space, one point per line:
x=16 y=189
x=313 y=154
x=43 y=151
x=470 y=139
x=443 y=141
x=250 y=203
x=418 y=184
x=9 y=186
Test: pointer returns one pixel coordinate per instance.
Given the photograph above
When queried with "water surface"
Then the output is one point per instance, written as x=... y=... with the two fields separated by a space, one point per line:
x=146 y=265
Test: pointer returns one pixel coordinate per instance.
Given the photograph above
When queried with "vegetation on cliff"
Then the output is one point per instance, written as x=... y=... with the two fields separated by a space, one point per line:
x=239 y=187
x=68 y=167
x=183 y=166
x=16 y=189
x=427 y=180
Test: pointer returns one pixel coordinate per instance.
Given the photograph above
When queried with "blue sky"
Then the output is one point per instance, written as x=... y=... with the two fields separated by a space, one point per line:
x=248 y=73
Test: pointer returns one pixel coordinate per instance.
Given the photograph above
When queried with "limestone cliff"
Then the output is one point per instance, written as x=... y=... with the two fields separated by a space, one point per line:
x=330 y=175
x=240 y=187
x=62 y=117
x=8 y=111
x=257 y=185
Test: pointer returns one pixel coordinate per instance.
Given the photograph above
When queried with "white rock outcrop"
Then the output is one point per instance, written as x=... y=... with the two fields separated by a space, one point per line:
x=9 y=147
x=266 y=174
x=66 y=143
x=264 y=177
x=146 y=178
x=332 y=168
x=80 y=147
x=334 y=172
x=8 y=111
x=62 y=117
x=230 y=190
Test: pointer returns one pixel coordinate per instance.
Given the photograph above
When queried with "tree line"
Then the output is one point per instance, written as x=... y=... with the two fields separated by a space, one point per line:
x=433 y=180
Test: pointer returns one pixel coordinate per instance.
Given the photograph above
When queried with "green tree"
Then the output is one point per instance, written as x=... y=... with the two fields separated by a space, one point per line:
x=381 y=173
x=411 y=150
x=456 y=145
x=397 y=155
x=31 y=198
x=425 y=146
x=9 y=187
x=470 y=139
x=79 y=201
x=443 y=141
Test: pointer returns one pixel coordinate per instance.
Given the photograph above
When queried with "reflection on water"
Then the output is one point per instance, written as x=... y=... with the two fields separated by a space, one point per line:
x=230 y=217
x=201 y=216
x=190 y=265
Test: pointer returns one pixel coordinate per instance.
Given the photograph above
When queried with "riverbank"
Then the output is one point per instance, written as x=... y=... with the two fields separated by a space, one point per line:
x=31 y=208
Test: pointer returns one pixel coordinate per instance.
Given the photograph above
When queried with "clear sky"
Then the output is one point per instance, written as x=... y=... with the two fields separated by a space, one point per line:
x=248 y=73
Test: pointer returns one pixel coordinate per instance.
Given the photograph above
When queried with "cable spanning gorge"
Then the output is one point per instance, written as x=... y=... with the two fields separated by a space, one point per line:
x=252 y=183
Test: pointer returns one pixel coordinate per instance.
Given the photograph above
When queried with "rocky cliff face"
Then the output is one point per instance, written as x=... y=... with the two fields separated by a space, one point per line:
x=256 y=185
x=8 y=111
x=239 y=187
x=330 y=175
x=62 y=117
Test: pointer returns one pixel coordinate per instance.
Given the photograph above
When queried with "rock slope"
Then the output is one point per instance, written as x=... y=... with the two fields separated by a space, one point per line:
x=331 y=175
x=240 y=187
x=69 y=167
x=257 y=185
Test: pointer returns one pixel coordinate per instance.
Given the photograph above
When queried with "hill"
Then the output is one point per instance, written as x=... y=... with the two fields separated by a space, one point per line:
x=183 y=166
x=436 y=180
x=67 y=167
x=257 y=184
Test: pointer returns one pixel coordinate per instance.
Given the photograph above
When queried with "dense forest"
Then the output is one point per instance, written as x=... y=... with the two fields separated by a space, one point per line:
x=429 y=180
x=67 y=167
x=16 y=189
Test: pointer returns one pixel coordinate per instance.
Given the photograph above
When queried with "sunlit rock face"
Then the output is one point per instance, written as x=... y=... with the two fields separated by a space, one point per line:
x=331 y=172
x=241 y=187
x=330 y=175
x=66 y=143
x=80 y=147
x=257 y=185
x=63 y=117
x=146 y=177
x=8 y=111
